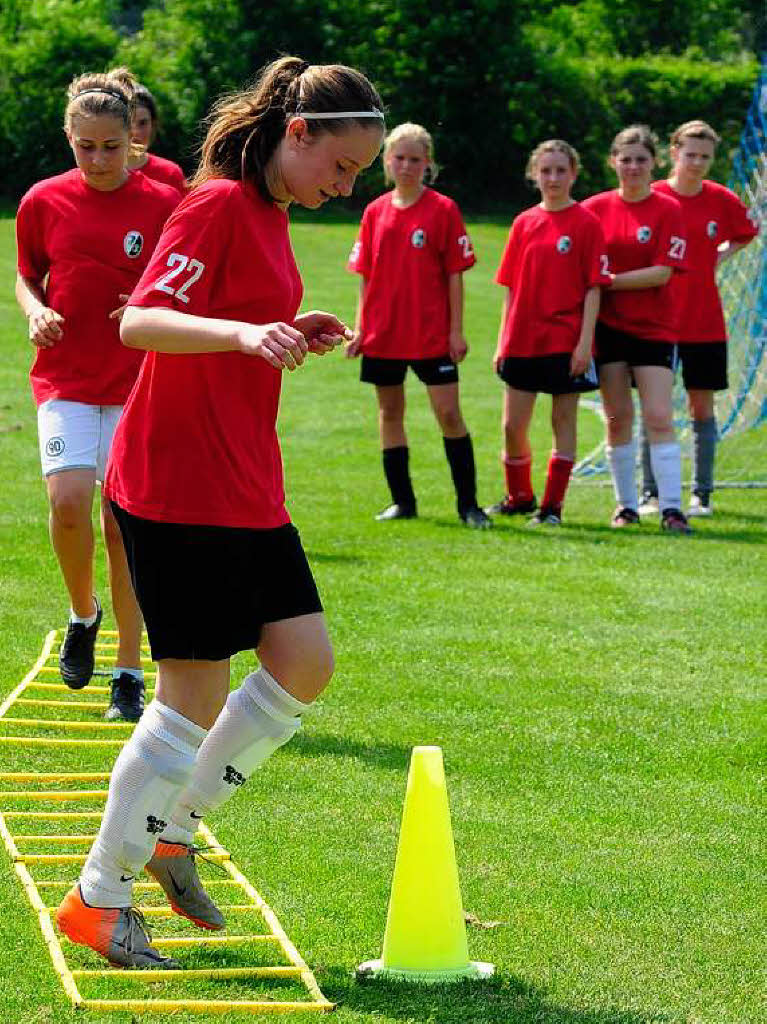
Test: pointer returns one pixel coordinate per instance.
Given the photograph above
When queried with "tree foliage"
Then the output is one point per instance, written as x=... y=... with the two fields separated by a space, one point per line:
x=490 y=79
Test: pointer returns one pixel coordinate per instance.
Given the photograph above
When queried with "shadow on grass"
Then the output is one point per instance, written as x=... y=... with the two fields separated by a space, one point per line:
x=378 y=754
x=334 y=557
x=504 y=999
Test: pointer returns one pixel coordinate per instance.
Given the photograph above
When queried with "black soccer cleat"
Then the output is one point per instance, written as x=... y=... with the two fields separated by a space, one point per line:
x=623 y=517
x=126 y=703
x=396 y=511
x=674 y=521
x=547 y=515
x=507 y=507
x=76 y=658
x=475 y=518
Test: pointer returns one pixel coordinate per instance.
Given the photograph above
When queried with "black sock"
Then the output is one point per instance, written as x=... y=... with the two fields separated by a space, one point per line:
x=460 y=456
x=395 y=465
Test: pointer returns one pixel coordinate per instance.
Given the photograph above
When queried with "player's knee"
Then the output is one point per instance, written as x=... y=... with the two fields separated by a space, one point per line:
x=451 y=420
x=70 y=506
x=657 y=420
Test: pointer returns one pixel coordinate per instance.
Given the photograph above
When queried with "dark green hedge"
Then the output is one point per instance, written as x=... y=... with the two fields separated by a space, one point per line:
x=489 y=79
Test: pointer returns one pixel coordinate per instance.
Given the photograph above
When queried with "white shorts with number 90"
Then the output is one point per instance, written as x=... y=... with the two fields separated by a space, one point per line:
x=75 y=436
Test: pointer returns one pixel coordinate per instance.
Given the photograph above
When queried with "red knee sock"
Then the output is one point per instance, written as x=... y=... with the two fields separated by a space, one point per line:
x=518 y=483
x=560 y=468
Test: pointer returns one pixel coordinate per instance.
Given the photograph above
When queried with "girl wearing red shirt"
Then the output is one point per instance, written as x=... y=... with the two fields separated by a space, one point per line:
x=412 y=251
x=195 y=480
x=717 y=226
x=84 y=238
x=143 y=134
x=636 y=331
x=553 y=268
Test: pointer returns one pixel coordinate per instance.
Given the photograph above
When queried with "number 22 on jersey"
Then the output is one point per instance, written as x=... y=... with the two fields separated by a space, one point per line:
x=180 y=264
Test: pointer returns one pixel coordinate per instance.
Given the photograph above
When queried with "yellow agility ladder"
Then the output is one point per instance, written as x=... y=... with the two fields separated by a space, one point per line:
x=56 y=812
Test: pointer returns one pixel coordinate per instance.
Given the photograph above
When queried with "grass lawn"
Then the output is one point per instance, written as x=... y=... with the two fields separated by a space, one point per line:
x=599 y=698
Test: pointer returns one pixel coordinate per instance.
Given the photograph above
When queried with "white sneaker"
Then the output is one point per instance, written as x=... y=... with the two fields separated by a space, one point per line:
x=649 y=506
x=700 y=507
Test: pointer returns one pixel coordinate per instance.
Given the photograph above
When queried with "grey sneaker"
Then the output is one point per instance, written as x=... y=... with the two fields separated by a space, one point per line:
x=118 y=933
x=172 y=865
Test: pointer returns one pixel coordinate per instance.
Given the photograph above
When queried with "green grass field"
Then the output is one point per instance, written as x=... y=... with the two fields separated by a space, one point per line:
x=599 y=699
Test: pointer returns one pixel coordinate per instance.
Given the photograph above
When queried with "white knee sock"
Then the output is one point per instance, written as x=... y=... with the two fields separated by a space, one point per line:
x=150 y=772
x=256 y=720
x=666 y=461
x=622 y=461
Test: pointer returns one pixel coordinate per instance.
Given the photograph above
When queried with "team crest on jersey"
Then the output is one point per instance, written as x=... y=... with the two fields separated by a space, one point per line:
x=712 y=229
x=418 y=238
x=133 y=243
x=564 y=243
x=644 y=234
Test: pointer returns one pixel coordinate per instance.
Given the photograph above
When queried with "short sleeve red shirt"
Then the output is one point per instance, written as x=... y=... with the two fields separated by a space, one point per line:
x=93 y=246
x=169 y=173
x=713 y=216
x=197 y=441
x=649 y=233
x=550 y=261
x=406 y=257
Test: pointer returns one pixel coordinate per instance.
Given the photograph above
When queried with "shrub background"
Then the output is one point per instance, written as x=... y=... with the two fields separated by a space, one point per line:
x=490 y=79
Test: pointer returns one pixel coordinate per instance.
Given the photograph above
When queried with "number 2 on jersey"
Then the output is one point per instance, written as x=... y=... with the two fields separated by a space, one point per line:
x=178 y=264
x=465 y=243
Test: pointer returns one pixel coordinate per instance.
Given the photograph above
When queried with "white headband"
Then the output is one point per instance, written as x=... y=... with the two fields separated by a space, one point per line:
x=332 y=115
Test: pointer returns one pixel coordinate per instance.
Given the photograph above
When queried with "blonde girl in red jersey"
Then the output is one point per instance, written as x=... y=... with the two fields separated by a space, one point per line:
x=553 y=269
x=636 y=331
x=717 y=226
x=195 y=479
x=84 y=238
x=411 y=252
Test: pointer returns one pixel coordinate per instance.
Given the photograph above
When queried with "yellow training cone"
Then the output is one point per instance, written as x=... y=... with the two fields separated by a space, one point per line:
x=425 y=937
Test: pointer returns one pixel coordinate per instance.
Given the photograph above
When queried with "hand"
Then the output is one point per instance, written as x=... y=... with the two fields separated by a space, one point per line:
x=457 y=347
x=354 y=346
x=118 y=313
x=281 y=345
x=581 y=360
x=323 y=331
x=45 y=327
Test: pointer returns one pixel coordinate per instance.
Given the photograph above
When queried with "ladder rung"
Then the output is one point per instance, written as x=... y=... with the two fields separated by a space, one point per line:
x=204 y=1005
x=200 y=972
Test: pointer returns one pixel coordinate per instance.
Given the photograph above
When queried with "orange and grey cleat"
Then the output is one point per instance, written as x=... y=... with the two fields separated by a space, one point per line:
x=118 y=933
x=173 y=866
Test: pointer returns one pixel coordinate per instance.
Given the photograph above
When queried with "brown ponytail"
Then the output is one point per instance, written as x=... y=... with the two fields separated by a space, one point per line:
x=245 y=128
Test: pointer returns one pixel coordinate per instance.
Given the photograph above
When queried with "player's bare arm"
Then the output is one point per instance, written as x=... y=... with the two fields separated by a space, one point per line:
x=44 y=323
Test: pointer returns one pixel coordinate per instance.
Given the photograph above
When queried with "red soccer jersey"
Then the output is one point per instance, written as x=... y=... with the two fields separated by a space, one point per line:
x=159 y=169
x=197 y=441
x=713 y=216
x=550 y=261
x=406 y=257
x=93 y=246
x=644 y=234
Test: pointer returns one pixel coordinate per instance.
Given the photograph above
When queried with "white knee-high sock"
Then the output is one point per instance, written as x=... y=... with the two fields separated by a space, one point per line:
x=256 y=720
x=150 y=772
x=622 y=461
x=666 y=461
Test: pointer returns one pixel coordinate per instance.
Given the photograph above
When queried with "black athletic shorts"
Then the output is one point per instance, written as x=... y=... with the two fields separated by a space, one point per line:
x=614 y=346
x=704 y=365
x=385 y=372
x=206 y=591
x=547 y=374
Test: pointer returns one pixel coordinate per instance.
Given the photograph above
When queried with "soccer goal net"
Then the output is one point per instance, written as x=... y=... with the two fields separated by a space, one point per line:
x=741 y=411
